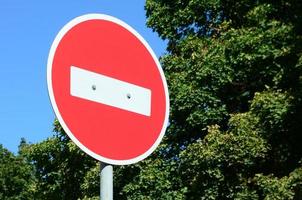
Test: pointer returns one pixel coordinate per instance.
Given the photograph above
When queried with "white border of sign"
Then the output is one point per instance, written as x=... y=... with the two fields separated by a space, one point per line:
x=53 y=48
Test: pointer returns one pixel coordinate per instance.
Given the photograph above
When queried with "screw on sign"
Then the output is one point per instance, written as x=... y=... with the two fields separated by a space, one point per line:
x=107 y=89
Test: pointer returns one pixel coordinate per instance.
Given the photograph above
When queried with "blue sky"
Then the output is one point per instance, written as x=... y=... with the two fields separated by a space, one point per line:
x=27 y=30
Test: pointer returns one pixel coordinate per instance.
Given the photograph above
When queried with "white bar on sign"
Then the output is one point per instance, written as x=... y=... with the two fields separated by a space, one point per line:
x=109 y=91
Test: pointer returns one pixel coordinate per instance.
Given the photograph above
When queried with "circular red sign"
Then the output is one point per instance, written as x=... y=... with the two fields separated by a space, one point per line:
x=96 y=65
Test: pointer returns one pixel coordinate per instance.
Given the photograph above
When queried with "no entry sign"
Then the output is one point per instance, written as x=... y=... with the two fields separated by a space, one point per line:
x=107 y=89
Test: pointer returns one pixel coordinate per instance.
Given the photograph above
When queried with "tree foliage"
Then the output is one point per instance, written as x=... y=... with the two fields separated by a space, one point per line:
x=61 y=168
x=234 y=75
x=17 y=181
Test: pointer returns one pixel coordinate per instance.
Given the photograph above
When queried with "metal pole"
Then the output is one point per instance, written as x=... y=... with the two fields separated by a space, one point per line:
x=106 y=181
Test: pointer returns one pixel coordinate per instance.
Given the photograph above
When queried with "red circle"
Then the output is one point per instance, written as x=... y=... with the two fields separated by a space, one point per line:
x=107 y=48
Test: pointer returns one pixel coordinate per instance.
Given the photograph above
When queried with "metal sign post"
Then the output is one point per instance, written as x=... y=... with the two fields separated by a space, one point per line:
x=106 y=187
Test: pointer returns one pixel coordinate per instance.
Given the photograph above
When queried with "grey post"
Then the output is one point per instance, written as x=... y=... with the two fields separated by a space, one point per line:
x=106 y=181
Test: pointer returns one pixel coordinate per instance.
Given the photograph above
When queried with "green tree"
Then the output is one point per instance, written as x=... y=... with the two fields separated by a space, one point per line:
x=16 y=178
x=61 y=168
x=234 y=70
